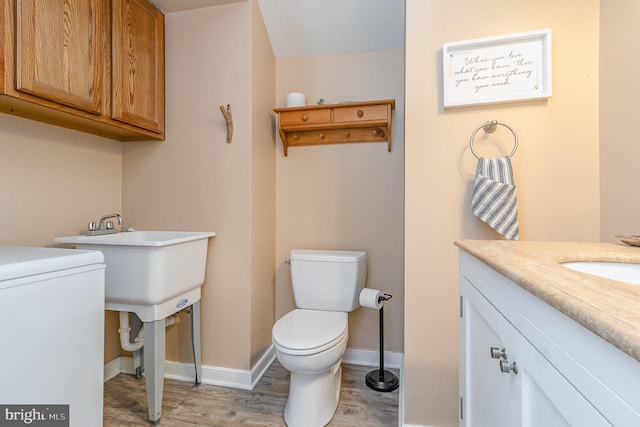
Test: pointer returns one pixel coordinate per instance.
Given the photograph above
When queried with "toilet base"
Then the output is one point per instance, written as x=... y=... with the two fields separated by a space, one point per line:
x=313 y=397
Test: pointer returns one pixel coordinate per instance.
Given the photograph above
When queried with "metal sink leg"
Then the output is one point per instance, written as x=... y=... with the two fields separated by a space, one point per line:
x=195 y=341
x=154 y=356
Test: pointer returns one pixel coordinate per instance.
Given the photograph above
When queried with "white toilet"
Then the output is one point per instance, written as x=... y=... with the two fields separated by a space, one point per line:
x=310 y=340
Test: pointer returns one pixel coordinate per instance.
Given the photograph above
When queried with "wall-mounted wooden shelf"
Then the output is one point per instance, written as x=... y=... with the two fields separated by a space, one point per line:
x=368 y=121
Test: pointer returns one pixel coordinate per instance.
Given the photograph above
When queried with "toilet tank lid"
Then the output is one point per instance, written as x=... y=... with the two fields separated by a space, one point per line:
x=327 y=255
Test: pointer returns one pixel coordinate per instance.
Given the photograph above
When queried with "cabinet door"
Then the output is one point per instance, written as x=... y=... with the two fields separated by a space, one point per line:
x=138 y=64
x=488 y=394
x=59 y=51
x=552 y=401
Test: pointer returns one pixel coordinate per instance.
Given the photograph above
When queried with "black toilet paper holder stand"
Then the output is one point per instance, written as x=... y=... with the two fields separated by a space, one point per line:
x=380 y=379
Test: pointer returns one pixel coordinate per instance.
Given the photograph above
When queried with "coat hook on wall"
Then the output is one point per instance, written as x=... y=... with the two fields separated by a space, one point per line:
x=226 y=112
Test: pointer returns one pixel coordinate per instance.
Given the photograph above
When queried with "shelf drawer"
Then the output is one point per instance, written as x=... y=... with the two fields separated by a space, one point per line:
x=305 y=117
x=337 y=136
x=361 y=114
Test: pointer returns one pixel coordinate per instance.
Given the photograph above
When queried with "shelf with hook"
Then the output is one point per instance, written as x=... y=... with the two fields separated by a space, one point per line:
x=368 y=121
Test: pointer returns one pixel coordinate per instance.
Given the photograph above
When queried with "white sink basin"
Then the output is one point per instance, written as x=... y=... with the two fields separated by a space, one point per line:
x=138 y=238
x=147 y=268
x=620 y=271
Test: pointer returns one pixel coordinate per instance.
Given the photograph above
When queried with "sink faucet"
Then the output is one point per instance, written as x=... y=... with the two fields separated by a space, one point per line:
x=110 y=223
x=95 y=229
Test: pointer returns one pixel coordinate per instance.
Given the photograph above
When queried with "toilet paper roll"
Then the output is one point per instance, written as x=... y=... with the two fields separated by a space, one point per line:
x=296 y=99
x=371 y=298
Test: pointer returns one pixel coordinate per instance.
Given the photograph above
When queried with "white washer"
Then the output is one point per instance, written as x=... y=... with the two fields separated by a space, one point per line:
x=52 y=330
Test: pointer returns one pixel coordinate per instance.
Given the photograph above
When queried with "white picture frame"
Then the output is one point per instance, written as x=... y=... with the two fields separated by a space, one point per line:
x=507 y=68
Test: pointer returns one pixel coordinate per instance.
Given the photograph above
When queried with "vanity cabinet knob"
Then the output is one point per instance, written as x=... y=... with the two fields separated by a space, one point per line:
x=360 y=113
x=497 y=353
x=305 y=117
x=295 y=136
x=321 y=135
x=508 y=367
x=347 y=134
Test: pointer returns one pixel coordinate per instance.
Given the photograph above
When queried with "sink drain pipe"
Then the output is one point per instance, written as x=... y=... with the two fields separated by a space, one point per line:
x=138 y=342
x=125 y=334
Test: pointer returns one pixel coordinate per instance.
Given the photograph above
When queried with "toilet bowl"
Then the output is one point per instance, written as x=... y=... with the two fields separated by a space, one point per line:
x=310 y=345
x=310 y=340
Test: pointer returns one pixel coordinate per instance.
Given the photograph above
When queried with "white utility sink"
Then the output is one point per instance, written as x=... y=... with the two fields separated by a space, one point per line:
x=620 y=271
x=153 y=274
x=147 y=269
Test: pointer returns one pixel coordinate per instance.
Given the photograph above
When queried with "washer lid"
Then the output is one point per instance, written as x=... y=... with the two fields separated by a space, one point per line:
x=327 y=256
x=23 y=261
x=310 y=329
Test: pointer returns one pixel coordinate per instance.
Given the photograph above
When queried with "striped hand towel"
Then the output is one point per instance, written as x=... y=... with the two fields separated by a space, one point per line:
x=494 y=196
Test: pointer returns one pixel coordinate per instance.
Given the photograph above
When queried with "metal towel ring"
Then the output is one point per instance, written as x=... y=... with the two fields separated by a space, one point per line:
x=490 y=127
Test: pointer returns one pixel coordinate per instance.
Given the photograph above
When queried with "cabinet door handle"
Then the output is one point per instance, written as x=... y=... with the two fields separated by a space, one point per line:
x=305 y=117
x=507 y=367
x=497 y=353
x=360 y=113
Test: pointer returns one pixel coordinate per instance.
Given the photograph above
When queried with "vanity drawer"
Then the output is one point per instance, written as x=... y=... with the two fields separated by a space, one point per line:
x=305 y=117
x=366 y=113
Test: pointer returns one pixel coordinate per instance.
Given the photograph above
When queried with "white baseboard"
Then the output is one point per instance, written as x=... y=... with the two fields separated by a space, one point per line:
x=114 y=368
x=401 y=396
x=226 y=377
x=244 y=379
x=213 y=375
x=372 y=358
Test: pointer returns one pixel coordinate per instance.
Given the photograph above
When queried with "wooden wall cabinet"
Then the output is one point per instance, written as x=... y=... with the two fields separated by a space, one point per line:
x=59 y=54
x=96 y=66
x=368 y=121
x=138 y=64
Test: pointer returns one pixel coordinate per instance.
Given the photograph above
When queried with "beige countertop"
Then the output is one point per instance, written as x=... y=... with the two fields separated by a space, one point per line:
x=609 y=308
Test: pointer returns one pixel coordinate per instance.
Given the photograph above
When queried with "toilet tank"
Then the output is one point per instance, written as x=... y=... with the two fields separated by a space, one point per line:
x=328 y=280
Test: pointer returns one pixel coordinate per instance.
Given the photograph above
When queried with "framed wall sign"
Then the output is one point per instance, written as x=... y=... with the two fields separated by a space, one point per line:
x=513 y=67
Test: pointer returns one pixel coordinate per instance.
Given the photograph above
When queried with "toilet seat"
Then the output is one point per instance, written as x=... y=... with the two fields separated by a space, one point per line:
x=304 y=332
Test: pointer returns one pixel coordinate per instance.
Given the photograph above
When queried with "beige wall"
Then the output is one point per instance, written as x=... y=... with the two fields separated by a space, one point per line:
x=556 y=170
x=195 y=180
x=619 y=94
x=53 y=181
x=346 y=196
x=263 y=187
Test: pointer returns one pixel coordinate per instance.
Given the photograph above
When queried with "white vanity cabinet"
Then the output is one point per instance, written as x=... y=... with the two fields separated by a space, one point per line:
x=544 y=370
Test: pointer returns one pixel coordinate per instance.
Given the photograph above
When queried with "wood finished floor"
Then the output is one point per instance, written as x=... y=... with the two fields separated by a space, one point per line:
x=125 y=403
